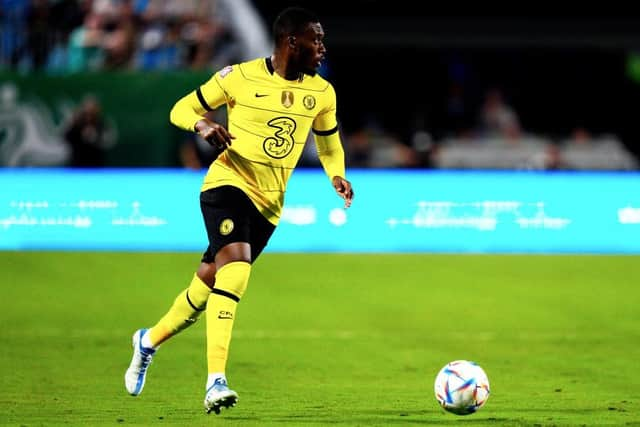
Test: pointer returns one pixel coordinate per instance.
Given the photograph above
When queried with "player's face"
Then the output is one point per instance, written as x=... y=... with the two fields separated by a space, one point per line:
x=311 y=50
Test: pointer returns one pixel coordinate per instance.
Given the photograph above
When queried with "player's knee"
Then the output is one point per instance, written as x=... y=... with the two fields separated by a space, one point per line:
x=232 y=279
x=207 y=273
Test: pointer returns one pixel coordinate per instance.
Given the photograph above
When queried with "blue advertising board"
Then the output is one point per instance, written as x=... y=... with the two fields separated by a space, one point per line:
x=393 y=211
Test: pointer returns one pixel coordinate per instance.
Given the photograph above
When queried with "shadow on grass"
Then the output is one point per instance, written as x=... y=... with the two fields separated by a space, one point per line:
x=388 y=418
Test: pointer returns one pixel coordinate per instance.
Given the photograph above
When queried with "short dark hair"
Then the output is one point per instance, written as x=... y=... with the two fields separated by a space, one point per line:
x=292 y=21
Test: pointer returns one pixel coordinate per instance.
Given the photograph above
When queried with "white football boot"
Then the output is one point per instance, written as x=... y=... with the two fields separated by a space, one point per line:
x=219 y=396
x=135 y=376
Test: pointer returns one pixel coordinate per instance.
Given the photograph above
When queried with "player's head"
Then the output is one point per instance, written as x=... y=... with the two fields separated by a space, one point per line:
x=298 y=32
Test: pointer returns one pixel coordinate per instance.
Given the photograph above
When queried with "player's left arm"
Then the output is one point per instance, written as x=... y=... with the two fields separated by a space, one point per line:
x=331 y=155
x=330 y=151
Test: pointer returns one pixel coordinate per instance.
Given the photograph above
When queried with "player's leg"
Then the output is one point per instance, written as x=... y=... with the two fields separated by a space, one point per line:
x=227 y=224
x=230 y=229
x=186 y=309
x=234 y=267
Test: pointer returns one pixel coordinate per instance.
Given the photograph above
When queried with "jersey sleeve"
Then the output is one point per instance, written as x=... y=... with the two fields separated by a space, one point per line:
x=192 y=107
x=215 y=92
x=326 y=119
x=330 y=153
x=327 y=138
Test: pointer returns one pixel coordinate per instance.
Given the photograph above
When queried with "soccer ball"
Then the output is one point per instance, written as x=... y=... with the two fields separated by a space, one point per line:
x=462 y=387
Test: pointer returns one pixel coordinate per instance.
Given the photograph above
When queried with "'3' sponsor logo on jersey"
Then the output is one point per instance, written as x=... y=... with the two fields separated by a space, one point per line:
x=281 y=143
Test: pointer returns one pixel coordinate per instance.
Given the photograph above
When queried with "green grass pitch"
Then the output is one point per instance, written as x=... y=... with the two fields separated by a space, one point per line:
x=326 y=339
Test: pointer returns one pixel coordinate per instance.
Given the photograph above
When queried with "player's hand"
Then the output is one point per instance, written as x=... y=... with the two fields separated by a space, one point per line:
x=344 y=190
x=214 y=133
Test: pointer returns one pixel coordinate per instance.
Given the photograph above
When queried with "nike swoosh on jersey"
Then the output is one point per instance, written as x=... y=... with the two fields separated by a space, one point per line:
x=260 y=95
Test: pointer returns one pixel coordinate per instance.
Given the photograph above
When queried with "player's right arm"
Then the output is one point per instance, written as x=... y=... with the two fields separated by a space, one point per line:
x=188 y=113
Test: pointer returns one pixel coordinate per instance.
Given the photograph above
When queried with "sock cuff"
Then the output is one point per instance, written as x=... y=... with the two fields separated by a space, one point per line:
x=198 y=285
x=232 y=279
x=198 y=293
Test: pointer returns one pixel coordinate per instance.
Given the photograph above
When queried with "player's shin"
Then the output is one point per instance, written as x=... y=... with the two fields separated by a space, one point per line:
x=231 y=283
x=185 y=310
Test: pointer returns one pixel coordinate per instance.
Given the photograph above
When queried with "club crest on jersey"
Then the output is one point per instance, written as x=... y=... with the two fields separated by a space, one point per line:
x=309 y=102
x=226 y=70
x=226 y=226
x=287 y=98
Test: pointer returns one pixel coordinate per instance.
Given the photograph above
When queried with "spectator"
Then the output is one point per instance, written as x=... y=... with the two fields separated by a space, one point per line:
x=585 y=151
x=498 y=119
x=159 y=47
x=119 y=41
x=64 y=17
x=85 y=48
x=89 y=135
x=370 y=145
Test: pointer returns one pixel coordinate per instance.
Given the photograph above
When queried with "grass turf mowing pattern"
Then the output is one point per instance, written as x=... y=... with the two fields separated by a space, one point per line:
x=323 y=339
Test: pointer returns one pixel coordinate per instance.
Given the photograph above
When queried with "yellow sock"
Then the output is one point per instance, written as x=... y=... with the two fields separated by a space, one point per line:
x=183 y=313
x=231 y=282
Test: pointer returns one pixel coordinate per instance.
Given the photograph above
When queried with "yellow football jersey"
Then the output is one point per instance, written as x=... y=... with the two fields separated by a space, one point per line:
x=271 y=118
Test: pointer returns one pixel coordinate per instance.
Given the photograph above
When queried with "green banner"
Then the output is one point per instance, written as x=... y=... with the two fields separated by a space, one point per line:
x=35 y=107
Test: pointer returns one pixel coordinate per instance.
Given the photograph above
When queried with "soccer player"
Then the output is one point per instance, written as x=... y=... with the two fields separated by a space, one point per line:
x=272 y=104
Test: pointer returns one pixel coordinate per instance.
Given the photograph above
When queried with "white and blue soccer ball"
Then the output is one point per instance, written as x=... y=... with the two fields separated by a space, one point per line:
x=462 y=387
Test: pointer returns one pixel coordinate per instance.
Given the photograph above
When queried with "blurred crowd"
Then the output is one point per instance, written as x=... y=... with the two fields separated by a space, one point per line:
x=490 y=138
x=89 y=35
x=68 y=36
